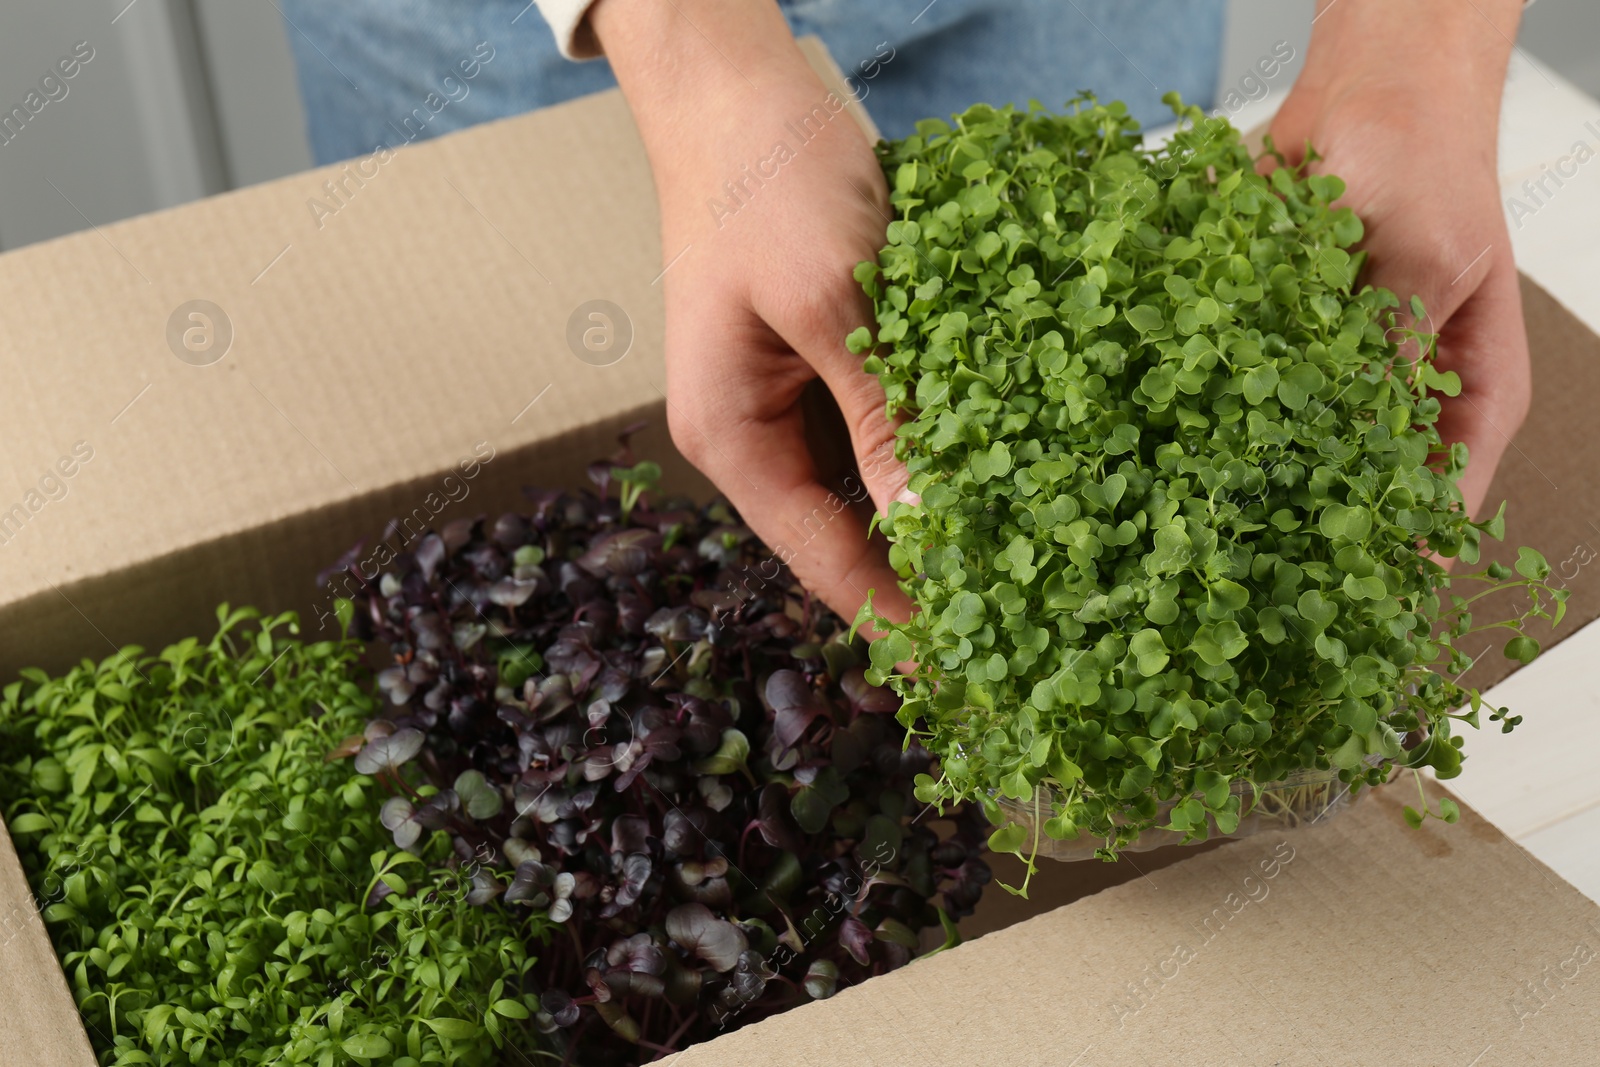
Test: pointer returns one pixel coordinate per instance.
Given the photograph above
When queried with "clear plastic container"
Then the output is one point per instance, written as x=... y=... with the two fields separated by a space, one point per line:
x=1301 y=799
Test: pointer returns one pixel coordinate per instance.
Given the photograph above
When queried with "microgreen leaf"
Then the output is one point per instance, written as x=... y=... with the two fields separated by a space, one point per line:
x=714 y=940
x=390 y=752
x=1177 y=498
x=480 y=799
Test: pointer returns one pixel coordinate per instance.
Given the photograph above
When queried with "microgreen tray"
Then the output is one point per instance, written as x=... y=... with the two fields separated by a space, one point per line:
x=1304 y=798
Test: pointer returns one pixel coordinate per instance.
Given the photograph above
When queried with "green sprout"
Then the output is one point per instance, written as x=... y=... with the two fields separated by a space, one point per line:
x=635 y=481
x=1185 y=512
x=220 y=891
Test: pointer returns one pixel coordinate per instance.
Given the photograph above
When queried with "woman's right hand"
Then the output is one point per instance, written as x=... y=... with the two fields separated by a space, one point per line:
x=770 y=195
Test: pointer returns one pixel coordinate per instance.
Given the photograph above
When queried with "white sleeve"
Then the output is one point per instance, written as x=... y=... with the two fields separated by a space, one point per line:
x=567 y=19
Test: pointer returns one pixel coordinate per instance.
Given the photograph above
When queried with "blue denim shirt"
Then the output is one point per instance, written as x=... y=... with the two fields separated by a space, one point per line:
x=386 y=72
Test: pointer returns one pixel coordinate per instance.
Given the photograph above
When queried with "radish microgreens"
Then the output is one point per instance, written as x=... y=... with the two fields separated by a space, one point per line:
x=627 y=701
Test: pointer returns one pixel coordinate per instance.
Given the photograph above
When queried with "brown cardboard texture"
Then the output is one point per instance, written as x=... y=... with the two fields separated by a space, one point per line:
x=40 y=1025
x=1318 y=945
x=161 y=454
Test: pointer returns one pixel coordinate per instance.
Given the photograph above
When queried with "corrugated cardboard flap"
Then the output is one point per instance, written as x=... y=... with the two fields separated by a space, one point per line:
x=1360 y=941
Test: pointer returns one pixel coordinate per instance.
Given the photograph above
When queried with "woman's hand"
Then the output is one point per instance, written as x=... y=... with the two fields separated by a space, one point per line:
x=1413 y=132
x=770 y=195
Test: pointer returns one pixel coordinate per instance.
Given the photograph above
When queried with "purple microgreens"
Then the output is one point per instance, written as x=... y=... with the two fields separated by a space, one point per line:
x=667 y=749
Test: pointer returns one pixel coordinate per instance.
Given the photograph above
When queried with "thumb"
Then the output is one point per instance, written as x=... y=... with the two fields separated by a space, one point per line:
x=1486 y=344
x=819 y=339
x=1418 y=267
x=872 y=432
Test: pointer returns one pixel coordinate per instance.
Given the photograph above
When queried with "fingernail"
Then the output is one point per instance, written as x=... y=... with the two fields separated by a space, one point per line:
x=908 y=497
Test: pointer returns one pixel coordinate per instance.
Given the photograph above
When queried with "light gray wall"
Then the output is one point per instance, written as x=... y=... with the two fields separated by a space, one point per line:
x=189 y=97
x=88 y=157
x=253 y=91
x=1565 y=34
x=183 y=98
x=1254 y=28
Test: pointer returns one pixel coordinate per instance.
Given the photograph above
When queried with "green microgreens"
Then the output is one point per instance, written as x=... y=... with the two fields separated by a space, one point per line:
x=220 y=892
x=634 y=482
x=1178 y=524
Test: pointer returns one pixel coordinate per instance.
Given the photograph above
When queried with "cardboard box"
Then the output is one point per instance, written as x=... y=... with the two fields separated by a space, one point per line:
x=157 y=462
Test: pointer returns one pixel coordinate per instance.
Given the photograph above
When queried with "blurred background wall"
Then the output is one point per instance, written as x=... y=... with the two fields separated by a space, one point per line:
x=184 y=98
